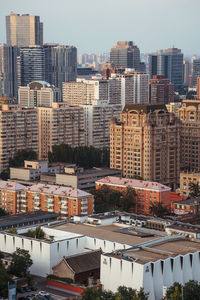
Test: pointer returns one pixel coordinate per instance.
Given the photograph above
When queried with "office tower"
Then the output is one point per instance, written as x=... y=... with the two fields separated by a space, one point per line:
x=125 y=55
x=97 y=118
x=169 y=63
x=187 y=72
x=189 y=114
x=146 y=143
x=161 y=90
x=8 y=71
x=60 y=64
x=196 y=70
x=59 y=124
x=198 y=87
x=31 y=64
x=38 y=93
x=24 y=30
x=18 y=131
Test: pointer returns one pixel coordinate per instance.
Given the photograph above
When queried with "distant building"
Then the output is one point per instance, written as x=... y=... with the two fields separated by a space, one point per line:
x=187 y=206
x=161 y=90
x=125 y=55
x=173 y=107
x=24 y=30
x=145 y=143
x=185 y=179
x=38 y=93
x=169 y=63
x=60 y=64
x=196 y=70
x=8 y=71
x=198 y=87
x=187 y=72
x=31 y=64
x=146 y=192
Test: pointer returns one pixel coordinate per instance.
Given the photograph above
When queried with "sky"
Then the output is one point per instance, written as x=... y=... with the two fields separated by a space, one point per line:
x=94 y=26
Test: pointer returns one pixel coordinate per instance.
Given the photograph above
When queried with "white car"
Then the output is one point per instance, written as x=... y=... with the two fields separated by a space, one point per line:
x=43 y=293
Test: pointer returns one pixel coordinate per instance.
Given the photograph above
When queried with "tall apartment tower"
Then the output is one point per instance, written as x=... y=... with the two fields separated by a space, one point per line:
x=187 y=72
x=125 y=55
x=169 y=63
x=59 y=124
x=31 y=64
x=198 y=87
x=60 y=64
x=38 y=93
x=146 y=142
x=161 y=90
x=24 y=30
x=8 y=71
x=196 y=70
x=18 y=131
x=189 y=114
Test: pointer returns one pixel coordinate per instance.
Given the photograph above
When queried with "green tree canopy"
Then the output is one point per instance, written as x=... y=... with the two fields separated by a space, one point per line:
x=21 y=262
x=189 y=291
x=194 y=189
x=20 y=156
x=158 y=209
x=4 y=279
x=3 y=212
x=82 y=156
x=12 y=230
x=37 y=233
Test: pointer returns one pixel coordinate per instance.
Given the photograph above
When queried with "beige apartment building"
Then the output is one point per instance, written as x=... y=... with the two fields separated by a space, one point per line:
x=59 y=124
x=185 y=179
x=146 y=142
x=189 y=114
x=18 y=130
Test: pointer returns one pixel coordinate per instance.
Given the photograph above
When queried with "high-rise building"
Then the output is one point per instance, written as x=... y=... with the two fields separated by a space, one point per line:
x=31 y=64
x=18 y=131
x=189 y=114
x=8 y=71
x=125 y=55
x=60 y=124
x=60 y=64
x=38 y=93
x=161 y=90
x=196 y=70
x=146 y=143
x=187 y=72
x=24 y=30
x=168 y=63
x=97 y=118
x=198 y=87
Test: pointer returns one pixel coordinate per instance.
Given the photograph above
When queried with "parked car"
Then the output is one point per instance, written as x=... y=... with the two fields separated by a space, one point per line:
x=21 y=290
x=33 y=288
x=43 y=293
x=27 y=289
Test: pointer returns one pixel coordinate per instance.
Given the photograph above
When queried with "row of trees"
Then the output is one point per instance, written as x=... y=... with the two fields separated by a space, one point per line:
x=123 y=293
x=83 y=156
x=21 y=262
x=189 y=291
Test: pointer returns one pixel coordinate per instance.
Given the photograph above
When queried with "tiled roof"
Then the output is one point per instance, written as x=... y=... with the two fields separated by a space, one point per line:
x=134 y=183
x=57 y=190
x=11 y=185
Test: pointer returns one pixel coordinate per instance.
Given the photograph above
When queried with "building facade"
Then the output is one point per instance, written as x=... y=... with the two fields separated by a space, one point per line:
x=185 y=179
x=169 y=63
x=38 y=93
x=146 y=143
x=196 y=70
x=125 y=55
x=31 y=64
x=8 y=71
x=18 y=131
x=198 y=87
x=146 y=192
x=59 y=124
x=24 y=30
x=60 y=64
x=161 y=90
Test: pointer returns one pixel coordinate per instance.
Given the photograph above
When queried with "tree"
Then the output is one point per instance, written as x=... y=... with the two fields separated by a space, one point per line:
x=128 y=198
x=38 y=233
x=174 y=292
x=4 y=279
x=12 y=230
x=18 y=159
x=194 y=189
x=3 y=212
x=189 y=291
x=21 y=262
x=158 y=209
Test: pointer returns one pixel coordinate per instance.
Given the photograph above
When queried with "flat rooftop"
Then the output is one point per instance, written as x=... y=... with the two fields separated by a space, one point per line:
x=104 y=233
x=160 y=251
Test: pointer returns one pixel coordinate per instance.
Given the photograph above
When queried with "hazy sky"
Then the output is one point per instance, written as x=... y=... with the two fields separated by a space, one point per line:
x=96 y=25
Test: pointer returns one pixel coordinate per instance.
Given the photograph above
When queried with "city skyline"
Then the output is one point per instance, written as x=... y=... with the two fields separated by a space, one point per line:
x=159 y=24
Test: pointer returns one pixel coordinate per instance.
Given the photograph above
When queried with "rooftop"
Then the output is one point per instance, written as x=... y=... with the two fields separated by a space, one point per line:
x=104 y=232
x=188 y=201
x=145 y=108
x=134 y=183
x=11 y=185
x=57 y=190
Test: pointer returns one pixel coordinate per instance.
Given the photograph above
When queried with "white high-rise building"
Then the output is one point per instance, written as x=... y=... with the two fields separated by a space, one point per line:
x=38 y=93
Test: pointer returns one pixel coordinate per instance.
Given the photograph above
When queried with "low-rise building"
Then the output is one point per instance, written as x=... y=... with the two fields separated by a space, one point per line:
x=146 y=191
x=187 y=206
